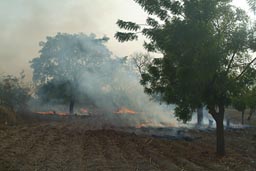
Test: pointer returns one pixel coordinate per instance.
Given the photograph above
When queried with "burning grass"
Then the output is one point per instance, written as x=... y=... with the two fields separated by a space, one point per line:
x=124 y=110
x=52 y=113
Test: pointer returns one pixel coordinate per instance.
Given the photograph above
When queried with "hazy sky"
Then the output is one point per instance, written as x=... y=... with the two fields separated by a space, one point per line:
x=24 y=23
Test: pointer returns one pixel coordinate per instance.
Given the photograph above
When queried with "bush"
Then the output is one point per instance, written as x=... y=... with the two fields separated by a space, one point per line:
x=14 y=94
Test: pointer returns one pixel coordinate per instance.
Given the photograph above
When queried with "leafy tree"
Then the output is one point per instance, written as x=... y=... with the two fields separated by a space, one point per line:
x=142 y=61
x=63 y=58
x=200 y=115
x=14 y=94
x=60 y=92
x=206 y=49
x=251 y=101
x=246 y=98
x=239 y=103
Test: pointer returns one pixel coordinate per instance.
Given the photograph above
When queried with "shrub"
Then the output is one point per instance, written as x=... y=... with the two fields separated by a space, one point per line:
x=14 y=94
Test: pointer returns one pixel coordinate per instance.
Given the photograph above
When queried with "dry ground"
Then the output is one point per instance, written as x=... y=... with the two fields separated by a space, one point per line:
x=62 y=145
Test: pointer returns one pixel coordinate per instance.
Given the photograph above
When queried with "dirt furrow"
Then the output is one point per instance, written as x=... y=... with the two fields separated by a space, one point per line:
x=71 y=146
x=129 y=148
x=93 y=153
x=115 y=158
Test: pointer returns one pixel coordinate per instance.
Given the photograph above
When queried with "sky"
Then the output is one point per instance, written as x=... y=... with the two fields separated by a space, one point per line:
x=24 y=23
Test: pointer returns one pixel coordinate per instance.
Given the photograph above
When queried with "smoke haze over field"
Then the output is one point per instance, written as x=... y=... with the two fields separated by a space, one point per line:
x=78 y=69
x=24 y=23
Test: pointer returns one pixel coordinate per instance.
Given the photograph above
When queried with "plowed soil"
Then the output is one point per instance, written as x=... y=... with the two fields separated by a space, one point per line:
x=74 y=146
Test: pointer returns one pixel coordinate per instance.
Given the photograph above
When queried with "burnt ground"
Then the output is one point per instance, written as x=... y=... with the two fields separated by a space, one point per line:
x=62 y=145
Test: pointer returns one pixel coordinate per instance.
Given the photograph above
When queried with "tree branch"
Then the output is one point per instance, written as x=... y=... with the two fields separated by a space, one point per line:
x=230 y=62
x=212 y=111
x=247 y=66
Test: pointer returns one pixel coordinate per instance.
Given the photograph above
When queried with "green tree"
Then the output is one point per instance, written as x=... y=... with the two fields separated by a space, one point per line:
x=239 y=103
x=14 y=93
x=206 y=49
x=63 y=58
x=142 y=61
x=251 y=101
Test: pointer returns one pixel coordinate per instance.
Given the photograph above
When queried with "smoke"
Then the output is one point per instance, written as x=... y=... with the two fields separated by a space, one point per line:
x=103 y=84
x=24 y=23
x=123 y=90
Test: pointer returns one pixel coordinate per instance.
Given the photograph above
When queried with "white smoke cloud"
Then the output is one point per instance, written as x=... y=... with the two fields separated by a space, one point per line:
x=24 y=23
x=105 y=83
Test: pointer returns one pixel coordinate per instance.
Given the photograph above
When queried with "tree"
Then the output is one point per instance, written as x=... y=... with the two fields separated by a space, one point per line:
x=251 y=101
x=206 y=49
x=200 y=115
x=14 y=97
x=239 y=104
x=142 y=61
x=14 y=94
x=63 y=58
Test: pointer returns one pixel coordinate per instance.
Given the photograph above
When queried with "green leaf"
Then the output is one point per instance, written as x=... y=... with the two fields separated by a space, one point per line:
x=128 y=25
x=123 y=37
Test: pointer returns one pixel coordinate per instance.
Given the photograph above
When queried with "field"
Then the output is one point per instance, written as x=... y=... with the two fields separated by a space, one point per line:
x=76 y=145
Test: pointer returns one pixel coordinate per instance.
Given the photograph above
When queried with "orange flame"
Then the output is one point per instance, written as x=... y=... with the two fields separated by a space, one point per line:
x=125 y=110
x=52 y=113
x=84 y=110
x=141 y=125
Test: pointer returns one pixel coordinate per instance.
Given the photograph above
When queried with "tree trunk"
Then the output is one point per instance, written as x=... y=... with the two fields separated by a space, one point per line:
x=252 y=110
x=71 y=106
x=220 y=137
x=200 y=115
x=242 y=117
x=219 y=117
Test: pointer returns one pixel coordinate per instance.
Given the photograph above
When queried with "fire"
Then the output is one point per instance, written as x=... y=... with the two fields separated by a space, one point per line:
x=125 y=110
x=144 y=124
x=83 y=110
x=52 y=113
x=141 y=125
